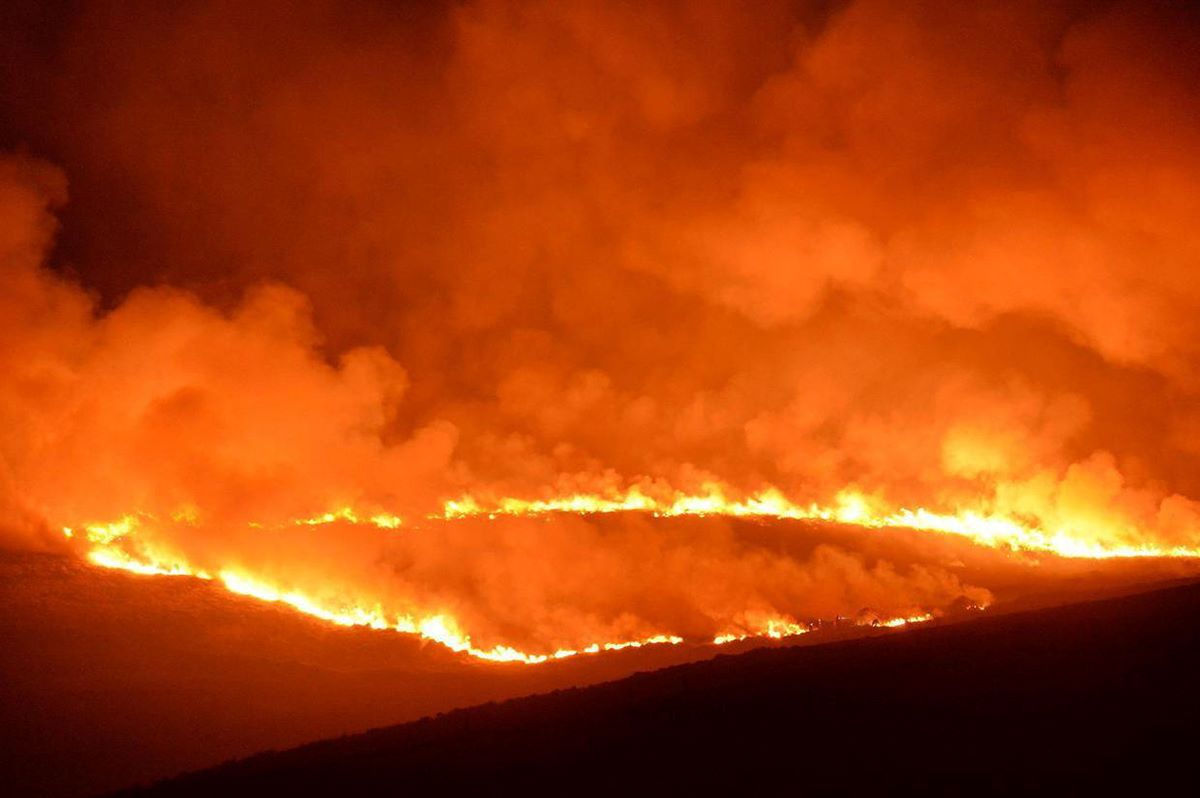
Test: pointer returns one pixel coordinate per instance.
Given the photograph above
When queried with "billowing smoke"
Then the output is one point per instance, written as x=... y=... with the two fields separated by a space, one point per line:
x=383 y=255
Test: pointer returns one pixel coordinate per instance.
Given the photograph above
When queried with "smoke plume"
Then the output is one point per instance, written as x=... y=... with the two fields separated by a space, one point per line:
x=262 y=262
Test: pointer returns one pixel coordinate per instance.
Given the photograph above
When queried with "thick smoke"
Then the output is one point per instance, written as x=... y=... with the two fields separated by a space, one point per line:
x=381 y=255
x=167 y=406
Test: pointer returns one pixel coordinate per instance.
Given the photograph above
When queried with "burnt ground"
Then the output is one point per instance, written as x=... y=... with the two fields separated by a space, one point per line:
x=1091 y=698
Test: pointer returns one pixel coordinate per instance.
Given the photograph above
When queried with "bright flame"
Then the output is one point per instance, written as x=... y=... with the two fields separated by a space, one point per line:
x=439 y=628
x=774 y=628
x=894 y=622
x=109 y=545
x=851 y=507
x=107 y=550
x=381 y=520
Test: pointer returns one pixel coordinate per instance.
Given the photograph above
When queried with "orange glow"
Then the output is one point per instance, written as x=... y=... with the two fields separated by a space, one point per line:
x=440 y=628
x=121 y=545
x=884 y=306
x=381 y=520
x=894 y=622
x=850 y=507
x=106 y=550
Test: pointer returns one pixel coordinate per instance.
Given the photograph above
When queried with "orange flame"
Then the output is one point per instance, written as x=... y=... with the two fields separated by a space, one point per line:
x=851 y=507
x=105 y=550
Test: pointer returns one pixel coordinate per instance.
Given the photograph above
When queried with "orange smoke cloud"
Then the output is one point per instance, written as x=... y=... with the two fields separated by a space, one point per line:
x=359 y=256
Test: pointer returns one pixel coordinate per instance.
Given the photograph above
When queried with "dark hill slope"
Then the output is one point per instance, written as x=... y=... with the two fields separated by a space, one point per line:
x=1085 y=698
x=109 y=679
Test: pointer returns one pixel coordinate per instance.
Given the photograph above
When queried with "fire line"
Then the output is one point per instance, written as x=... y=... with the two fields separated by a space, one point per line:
x=116 y=545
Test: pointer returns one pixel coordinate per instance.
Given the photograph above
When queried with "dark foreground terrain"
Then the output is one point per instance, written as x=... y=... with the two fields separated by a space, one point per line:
x=109 y=679
x=1088 y=698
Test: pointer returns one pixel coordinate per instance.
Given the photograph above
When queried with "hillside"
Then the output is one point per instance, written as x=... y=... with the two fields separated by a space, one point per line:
x=108 y=679
x=1081 y=697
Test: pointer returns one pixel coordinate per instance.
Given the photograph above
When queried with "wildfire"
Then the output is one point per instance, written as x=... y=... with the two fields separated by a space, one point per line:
x=895 y=622
x=439 y=628
x=774 y=628
x=106 y=552
x=850 y=507
x=117 y=545
x=381 y=520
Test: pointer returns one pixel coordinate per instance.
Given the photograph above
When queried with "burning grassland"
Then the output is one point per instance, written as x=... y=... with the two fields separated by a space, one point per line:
x=507 y=324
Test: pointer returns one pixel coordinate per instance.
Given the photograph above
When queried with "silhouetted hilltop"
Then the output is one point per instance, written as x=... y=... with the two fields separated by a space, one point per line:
x=1084 y=698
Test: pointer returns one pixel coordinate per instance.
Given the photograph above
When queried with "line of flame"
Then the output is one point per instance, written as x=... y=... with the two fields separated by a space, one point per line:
x=440 y=628
x=850 y=507
x=992 y=530
x=105 y=551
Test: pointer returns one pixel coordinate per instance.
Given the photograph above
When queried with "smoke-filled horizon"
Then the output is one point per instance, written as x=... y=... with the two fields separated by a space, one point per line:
x=262 y=262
